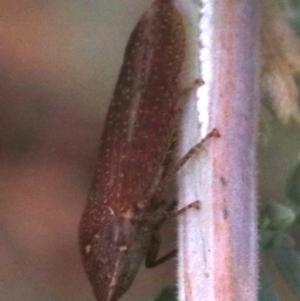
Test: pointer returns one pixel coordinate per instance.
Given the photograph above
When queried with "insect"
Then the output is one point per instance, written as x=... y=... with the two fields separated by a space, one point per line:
x=124 y=211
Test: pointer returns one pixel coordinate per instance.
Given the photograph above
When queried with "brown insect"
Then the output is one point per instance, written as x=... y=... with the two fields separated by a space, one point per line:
x=124 y=211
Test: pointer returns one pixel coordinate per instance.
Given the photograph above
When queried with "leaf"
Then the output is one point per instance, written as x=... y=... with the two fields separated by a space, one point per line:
x=169 y=293
x=293 y=185
x=287 y=260
x=276 y=217
x=267 y=291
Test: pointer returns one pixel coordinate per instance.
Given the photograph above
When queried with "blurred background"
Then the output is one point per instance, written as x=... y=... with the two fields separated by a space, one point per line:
x=59 y=61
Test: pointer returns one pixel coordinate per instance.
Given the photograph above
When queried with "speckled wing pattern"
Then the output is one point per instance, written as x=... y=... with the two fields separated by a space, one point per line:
x=140 y=120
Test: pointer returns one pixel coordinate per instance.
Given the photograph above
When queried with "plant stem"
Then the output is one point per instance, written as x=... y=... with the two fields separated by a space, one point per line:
x=218 y=249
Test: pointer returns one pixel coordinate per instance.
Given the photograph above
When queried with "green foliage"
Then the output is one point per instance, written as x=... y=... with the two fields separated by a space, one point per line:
x=276 y=217
x=287 y=260
x=293 y=185
x=275 y=222
x=267 y=290
x=169 y=293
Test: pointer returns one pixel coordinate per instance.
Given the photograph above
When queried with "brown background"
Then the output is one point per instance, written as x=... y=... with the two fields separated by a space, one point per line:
x=58 y=64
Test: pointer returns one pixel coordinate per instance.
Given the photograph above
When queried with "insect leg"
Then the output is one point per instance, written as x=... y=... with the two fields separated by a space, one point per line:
x=152 y=253
x=151 y=260
x=172 y=172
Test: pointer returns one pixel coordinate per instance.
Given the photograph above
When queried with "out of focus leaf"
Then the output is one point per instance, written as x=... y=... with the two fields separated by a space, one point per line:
x=169 y=293
x=276 y=217
x=293 y=185
x=267 y=291
x=266 y=238
x=287 y=260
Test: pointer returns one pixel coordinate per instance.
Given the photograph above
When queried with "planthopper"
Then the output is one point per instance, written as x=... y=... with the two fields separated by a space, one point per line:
x=124 y=212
